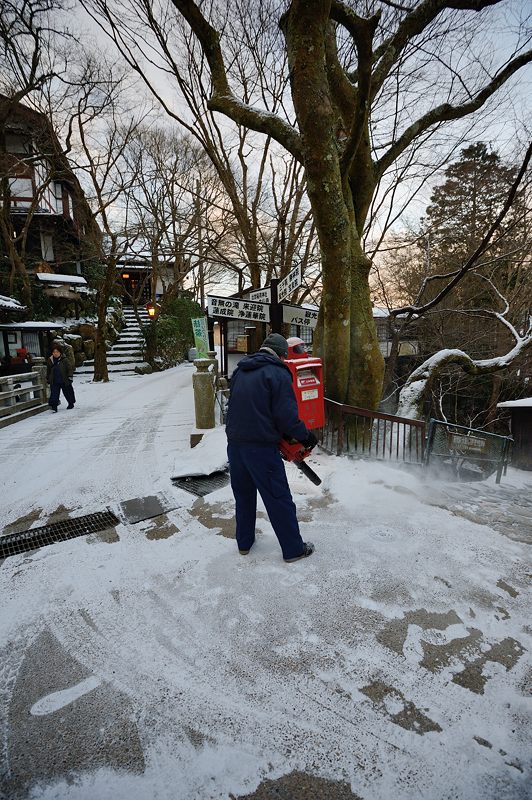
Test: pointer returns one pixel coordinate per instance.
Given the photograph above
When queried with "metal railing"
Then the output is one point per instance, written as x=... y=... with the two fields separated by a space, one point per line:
x=466 y=453
x=372 y=434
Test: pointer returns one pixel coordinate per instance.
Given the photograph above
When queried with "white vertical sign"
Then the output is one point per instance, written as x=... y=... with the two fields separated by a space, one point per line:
x=260 y=295
x=290 y=283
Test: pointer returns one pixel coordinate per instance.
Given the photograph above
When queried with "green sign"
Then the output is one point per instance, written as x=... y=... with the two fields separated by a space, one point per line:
x=201 y=336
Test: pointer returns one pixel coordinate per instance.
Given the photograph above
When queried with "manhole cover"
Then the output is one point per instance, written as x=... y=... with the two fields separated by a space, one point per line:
x=14 y=543
x=200 y=485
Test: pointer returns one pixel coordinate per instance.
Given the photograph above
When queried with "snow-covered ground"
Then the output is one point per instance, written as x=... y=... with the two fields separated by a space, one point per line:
x=155 y=662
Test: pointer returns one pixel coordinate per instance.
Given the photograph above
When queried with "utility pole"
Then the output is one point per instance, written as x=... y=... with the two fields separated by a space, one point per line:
x=276 y=309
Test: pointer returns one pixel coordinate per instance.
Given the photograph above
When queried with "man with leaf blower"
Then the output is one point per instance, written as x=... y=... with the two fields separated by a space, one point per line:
x=262 y=412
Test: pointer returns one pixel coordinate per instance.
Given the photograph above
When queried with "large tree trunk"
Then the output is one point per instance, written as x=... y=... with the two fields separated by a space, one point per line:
x=100 y=353
x=366 y=369
x=303 y=30
x=353 y=364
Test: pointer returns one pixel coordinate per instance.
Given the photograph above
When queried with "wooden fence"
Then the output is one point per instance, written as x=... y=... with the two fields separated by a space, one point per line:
x=20 y=393
x=372 y=434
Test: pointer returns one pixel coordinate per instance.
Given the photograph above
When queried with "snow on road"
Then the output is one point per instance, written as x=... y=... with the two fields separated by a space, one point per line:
x=159 y=663
x=120 y=441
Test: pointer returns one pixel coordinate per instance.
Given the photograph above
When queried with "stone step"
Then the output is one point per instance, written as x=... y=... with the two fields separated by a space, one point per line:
x=20 y=415
x=127 y=369
x=111 y=360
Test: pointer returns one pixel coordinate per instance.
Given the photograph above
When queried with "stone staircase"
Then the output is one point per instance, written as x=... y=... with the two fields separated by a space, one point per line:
x=126 y=353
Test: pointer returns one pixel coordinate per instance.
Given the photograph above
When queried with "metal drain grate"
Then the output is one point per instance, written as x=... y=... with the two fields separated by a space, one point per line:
x=14 y=543
x=200 y=485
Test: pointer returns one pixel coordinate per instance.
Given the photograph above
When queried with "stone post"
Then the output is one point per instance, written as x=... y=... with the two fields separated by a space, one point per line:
x=203 y=386
x=212 y=357
x=39 y=365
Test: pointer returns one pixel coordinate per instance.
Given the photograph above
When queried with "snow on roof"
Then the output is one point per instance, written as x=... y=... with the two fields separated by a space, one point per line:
x=524 y=402
x=10 y=304
x=380 y=312
x=50 y=277
x=32 y=325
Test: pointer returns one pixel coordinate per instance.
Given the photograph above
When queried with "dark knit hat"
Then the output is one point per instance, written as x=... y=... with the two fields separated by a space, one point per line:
x=277 y=343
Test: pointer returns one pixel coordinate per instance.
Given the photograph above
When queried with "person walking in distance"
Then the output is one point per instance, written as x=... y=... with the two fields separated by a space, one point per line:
x=262 y=411
x=60 y=374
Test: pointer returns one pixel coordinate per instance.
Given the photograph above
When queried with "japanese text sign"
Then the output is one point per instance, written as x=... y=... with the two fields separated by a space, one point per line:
x=238 y=309
x=296 y=315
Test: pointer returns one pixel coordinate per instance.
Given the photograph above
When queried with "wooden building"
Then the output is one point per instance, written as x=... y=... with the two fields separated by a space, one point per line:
x=50 y=226
x=521 y=430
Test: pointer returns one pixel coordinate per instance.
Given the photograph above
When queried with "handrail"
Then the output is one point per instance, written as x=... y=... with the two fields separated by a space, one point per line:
x=359 y=431
x=20 y=386
x=364 y=412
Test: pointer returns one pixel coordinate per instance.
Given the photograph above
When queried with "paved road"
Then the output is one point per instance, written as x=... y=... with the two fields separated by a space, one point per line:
x=505 y=508
x=152 y=661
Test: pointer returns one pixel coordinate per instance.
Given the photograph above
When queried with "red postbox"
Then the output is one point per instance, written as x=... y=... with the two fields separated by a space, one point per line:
x=307 y=380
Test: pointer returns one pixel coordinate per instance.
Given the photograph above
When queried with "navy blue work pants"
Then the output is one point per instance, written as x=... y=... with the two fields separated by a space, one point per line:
x=261 y=468
x=68 y=391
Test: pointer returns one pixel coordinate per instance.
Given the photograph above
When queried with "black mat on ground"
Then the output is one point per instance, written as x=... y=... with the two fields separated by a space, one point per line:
x=141 y=508
x=200 y=485
x=13 y=543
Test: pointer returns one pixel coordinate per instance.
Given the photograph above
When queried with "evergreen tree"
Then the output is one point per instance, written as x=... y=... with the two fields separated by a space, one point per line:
x=466 y=203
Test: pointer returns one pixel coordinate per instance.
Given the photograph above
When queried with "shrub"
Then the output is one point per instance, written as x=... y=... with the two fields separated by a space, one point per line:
x=169 y=337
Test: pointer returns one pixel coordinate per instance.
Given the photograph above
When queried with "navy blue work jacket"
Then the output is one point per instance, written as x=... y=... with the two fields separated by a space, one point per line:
x=262 y=403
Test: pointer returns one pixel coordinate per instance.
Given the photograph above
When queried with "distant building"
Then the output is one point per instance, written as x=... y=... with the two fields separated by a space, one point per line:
x=52 y=226
x=521 y=430
x=408 y=343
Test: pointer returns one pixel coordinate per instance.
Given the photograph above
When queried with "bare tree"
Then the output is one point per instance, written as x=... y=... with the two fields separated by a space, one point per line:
x=177 y=204
x=476 y=234
x=32 y=47
x=105 y=121
x=345 y=68
x=265 y=209
x=421 y=380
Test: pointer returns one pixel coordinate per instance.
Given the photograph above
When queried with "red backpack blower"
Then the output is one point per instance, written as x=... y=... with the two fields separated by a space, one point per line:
x=307 y=382
x=296 y=453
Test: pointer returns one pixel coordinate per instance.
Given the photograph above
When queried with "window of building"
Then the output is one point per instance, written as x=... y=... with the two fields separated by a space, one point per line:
x=47 y=246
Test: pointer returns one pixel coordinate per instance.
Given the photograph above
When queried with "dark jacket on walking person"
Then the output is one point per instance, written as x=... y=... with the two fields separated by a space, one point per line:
x=60 y=374
x=262 y=411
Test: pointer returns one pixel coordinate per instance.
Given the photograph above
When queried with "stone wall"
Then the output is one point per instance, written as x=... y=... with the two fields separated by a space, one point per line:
x=79 y=339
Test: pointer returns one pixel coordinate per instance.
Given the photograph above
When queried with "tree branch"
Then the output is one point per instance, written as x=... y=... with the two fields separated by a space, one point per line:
x=362 y=30
x=413 y=24
x=447 y=112
x=222 y=98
